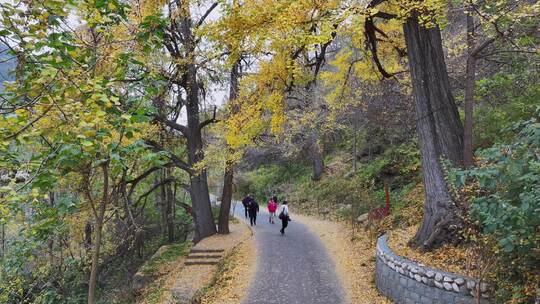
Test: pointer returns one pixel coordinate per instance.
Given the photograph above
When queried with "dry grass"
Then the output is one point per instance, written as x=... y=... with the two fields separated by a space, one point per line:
x=448 y=257
x=192 y=280
x=402 y=227
x=354 y=259
x=154 y=291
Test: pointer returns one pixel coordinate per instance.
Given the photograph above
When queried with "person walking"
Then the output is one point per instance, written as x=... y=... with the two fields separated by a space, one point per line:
x=253 y=209
x=272 y=207
x=246 y=202
x=284 y=217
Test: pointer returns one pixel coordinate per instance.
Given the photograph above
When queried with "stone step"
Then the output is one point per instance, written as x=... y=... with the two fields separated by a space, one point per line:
x=201 y=263
x=209 y=256
x=206 y=250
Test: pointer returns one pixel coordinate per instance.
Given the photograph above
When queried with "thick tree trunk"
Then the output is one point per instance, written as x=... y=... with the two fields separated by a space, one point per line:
x=439 y=130
x=315 y=151
x=226 y=196
x=468 y=156
x=200 y=198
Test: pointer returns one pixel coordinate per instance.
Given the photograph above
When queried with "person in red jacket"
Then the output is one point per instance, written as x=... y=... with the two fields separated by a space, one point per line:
x=272 y=207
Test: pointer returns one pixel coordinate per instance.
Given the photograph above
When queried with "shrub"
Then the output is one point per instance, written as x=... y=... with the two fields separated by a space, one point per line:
x=265 y=181
x=512 y=98
x=506 y=207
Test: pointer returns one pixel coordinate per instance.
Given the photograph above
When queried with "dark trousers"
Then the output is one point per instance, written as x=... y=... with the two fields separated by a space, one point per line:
x=253 y=219
x=246 y=211
x=284 y=223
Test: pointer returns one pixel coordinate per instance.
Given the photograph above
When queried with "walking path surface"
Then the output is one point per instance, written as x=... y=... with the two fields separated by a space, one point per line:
x=294 y=268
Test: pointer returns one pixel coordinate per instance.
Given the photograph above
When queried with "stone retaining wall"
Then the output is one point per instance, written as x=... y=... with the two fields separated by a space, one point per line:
x=405 y=281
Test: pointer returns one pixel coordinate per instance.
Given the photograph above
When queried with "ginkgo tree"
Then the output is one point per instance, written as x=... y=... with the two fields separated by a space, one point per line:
x=186 y=61
x=390 y=33
x=73 y=120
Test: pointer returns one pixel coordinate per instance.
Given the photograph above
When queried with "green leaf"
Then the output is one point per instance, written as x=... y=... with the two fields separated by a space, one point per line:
x=87 y=143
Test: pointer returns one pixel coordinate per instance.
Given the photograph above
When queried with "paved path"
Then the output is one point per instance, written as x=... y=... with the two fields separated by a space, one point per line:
x=291 y=269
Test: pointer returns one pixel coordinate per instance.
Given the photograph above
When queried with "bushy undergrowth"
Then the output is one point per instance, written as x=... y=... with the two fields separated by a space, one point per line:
x=342 y=192
x=504 y=205
x=514 y=98
x=267 y=181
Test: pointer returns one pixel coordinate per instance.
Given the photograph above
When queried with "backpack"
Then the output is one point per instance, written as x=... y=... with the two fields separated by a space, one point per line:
x=282 y=215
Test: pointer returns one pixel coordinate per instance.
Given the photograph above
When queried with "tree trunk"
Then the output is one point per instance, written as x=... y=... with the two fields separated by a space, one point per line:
x=317 y=161
x=200 y=198
x=226 y=198
x=163 y=204
x=88 y=235
x=95 y=264
x=99 y=216
x=169 y=211
x=226 y=195
x=468 y=156
x=439 y=130
x=3 y=240
x=355 y=143
x=50 y=242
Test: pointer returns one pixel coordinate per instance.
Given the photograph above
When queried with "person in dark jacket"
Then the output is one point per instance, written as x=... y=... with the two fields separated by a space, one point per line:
x=253 y=209
x=248 y=199
x=284 y=216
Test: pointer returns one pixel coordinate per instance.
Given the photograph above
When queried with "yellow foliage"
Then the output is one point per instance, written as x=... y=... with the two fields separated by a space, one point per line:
x=279 y=34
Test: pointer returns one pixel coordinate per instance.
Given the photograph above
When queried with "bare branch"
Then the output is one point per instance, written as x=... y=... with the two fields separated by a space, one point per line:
x=174 y=125
x=209 y=121
x=144 y=175
x=176 y=160
x=481 y=47
x=208 y=11
x=163 y=182
x=30 y=123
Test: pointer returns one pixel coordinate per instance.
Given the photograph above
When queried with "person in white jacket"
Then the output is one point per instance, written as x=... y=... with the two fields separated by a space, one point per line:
x=284 y=216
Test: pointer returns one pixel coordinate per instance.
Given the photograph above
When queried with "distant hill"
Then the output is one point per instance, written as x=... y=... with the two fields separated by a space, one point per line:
x=6 y=67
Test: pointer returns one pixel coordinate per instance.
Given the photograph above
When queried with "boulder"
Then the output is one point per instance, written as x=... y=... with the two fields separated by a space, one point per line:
x=362 y=218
